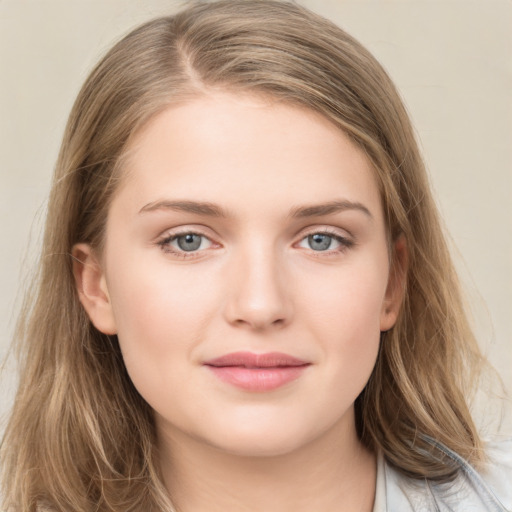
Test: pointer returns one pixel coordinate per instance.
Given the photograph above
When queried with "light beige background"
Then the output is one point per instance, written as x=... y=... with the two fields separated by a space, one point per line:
x=452 y=61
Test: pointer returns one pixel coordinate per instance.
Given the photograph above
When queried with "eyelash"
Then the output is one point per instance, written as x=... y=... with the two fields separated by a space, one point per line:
x=165 y=243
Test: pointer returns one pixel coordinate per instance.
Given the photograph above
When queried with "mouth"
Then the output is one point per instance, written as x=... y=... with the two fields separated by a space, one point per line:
x=257 y=372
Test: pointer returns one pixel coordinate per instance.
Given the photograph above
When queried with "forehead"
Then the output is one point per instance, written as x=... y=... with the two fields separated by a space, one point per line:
x=243 y=149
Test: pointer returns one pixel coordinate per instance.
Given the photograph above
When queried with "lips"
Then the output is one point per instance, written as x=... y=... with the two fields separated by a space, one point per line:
x=257 y=372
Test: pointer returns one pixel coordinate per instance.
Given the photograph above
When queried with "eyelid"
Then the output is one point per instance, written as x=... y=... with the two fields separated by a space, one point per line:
x=184 y=229
x=326 y=230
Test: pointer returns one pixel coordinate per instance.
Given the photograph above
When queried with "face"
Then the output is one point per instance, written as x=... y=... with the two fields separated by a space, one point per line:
x=245 y=272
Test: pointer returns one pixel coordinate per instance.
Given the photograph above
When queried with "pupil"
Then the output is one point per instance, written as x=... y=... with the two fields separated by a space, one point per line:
x=189 y=242
x=319 y=242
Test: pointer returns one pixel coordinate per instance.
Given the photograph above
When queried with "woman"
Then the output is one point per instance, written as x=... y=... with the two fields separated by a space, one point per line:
x=245 y=299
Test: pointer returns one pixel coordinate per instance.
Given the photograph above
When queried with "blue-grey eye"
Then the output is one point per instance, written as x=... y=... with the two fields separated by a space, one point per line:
x=189 y=242
x=320 y=242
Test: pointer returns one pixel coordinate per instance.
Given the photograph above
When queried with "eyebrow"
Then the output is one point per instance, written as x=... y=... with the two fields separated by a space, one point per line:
x=318 y=210
x=213 y=210
x=197 y=207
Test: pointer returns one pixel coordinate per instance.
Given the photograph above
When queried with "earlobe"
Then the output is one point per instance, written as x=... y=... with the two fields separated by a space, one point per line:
x=92 y=288
x=397 y=282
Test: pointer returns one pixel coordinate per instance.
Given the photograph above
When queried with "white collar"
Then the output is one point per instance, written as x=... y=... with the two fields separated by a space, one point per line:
x=380 y=488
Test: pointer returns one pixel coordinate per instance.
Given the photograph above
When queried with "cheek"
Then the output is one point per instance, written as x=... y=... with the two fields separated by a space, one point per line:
x=153 y=296
x=343 y=311
x=347 y=300
x=161 y=315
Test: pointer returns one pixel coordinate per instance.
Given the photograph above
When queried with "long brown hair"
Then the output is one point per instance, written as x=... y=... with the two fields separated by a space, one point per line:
x=80 y=437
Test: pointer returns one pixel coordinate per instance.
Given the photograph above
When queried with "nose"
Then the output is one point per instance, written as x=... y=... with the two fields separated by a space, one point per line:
x=258 y=295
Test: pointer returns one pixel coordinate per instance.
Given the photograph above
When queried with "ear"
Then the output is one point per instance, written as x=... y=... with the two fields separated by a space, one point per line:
x=396 y=284
x=92 y=288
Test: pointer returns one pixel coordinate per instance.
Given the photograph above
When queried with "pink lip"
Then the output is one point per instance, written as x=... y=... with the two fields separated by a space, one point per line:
x=257 y=372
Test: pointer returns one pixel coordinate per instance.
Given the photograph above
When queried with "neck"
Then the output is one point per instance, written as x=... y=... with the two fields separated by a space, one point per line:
x=330 y=474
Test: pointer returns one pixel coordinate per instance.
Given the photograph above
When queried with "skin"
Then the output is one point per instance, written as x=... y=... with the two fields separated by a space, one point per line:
x=255 y=284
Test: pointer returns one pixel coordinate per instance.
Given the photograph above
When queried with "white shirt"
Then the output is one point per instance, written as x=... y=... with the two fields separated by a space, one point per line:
x=488 y=491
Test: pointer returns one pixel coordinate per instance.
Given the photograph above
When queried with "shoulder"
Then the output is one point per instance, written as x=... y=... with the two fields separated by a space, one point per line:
x=498 y=473
x=484 y=491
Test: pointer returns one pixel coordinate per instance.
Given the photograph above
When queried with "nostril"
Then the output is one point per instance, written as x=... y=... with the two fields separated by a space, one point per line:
x=260 y=323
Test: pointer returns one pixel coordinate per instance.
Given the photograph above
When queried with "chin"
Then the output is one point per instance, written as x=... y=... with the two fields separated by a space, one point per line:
x=253 y=448
x=260 y=440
